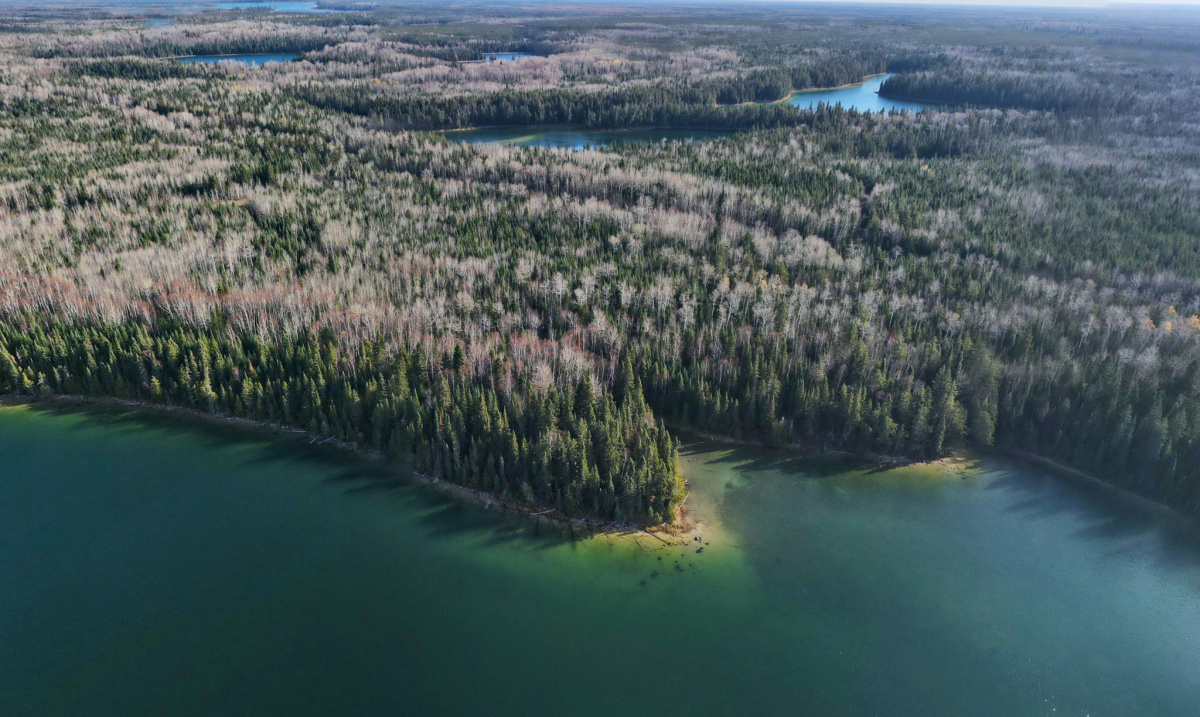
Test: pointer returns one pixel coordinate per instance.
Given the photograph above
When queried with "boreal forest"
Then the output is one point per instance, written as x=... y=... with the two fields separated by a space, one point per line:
x=307 y=242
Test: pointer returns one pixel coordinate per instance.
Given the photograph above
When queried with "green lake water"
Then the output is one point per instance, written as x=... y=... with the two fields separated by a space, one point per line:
x=158 y=565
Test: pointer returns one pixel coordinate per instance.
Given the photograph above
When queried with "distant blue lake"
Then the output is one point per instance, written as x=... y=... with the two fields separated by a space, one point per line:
x=576 y=138
x=505 y=56
x=306 y=7
x=864 y=98
x=257 y=59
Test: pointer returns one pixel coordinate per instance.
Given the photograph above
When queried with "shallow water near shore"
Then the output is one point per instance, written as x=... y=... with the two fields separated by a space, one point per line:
x=161 y=564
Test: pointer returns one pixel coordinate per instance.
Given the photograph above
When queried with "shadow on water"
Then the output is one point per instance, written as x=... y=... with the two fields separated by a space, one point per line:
x=1118 y=524
x=755 y=459
x=357 y=475
x=1129 y=524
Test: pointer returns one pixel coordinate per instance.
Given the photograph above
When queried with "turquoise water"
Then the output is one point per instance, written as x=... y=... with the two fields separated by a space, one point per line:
x=156 y=565
x=256 y=59
x=864 y=97
x=504 y=56
x=569 y=138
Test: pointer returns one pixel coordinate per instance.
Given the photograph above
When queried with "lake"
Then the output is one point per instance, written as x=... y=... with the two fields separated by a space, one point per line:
x=504 y=56
x=299 y=7
x=573 y=138
x=862 y=97
x=161 y=565
x=254 y=59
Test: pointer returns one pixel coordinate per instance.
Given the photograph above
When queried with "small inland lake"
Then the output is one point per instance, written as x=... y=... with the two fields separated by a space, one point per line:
x=252 y=59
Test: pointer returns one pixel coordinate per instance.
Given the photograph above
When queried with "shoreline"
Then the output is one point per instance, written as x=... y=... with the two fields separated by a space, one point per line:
x=680 y=532
x=682 y=529
x=572 y=127
x=580 y=128
x=948 y=461
x=846 y=86
x=294 y=55
x=1067 y=471
x=803 y=450
x=937 y=104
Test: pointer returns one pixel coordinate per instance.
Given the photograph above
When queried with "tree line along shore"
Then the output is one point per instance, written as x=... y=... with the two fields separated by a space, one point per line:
x=296 y=243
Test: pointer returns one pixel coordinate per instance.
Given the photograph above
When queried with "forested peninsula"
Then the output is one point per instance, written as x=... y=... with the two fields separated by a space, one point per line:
x=297 y=242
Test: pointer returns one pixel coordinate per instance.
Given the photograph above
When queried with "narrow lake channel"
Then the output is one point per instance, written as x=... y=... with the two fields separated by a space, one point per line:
x=864 y=97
